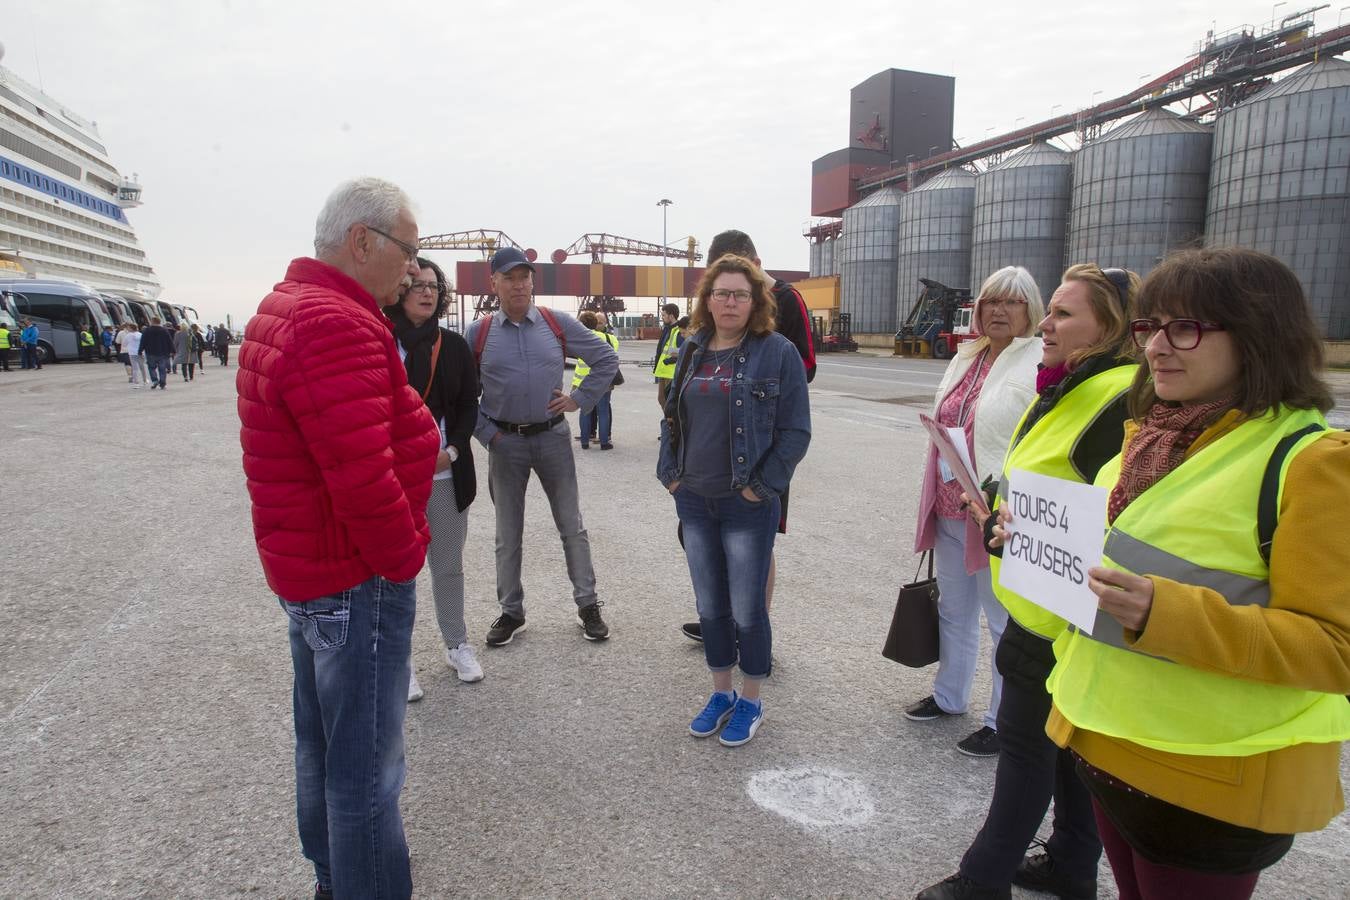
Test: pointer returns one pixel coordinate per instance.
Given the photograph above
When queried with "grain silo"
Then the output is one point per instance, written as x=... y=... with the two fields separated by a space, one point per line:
x=1280 y=183
x=1021 y=214
x=935 y=234
x=1139 y=191
x=867 y=270
x=814 y=268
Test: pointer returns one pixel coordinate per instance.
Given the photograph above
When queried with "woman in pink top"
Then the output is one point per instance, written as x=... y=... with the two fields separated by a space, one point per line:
x=988 y=385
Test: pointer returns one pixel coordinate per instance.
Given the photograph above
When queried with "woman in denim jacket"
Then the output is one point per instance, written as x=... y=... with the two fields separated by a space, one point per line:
x=737 y=423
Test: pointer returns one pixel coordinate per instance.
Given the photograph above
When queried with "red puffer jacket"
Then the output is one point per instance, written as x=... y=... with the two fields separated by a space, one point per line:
x=338 y=450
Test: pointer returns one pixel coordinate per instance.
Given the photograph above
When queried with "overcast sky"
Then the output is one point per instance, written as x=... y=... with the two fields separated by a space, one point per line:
x=544 y=120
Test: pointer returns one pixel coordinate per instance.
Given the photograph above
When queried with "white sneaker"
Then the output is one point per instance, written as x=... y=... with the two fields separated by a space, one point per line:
x=462 y=660
x=414 y=689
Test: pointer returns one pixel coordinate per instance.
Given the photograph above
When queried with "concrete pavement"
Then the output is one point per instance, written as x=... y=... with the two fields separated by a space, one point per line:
x=145 y=735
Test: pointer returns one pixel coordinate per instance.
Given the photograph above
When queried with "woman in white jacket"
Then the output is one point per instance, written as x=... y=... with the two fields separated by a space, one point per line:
x=988 y=385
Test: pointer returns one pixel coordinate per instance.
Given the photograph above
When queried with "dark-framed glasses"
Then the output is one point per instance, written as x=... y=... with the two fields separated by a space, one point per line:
x=408 y=249
x=722 y=295
x=1182 y=334
x=430 y=287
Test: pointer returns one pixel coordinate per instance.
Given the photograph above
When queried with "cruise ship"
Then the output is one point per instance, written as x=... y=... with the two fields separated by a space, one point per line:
x=62 y=201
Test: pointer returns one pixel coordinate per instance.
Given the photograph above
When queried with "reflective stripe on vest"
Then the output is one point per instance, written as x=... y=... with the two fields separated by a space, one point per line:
x=1047 y=449
x=581 y=370
x=1204 y=513
x=667 y=369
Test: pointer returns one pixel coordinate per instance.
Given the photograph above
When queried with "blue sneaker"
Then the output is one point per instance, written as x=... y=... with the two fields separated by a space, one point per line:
x=714 y=715
x=745 y=721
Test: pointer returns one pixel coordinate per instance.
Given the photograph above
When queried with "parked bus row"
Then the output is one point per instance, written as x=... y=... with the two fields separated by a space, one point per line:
x=62 y=309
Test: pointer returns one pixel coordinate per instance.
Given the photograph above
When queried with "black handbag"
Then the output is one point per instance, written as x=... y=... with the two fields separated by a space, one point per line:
x=913 y=638
x=618 y=378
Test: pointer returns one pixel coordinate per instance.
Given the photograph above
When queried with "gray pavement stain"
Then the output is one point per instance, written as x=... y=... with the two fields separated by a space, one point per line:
x=145 y=742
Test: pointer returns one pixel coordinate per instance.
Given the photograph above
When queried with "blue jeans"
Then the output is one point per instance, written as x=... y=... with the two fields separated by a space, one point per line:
x=159 y=369
x=28 y=357
x=352 y=656
x=728 y=542
x=605 y=411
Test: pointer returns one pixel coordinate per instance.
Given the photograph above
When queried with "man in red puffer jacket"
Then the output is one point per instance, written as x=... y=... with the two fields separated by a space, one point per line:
x=339 y=454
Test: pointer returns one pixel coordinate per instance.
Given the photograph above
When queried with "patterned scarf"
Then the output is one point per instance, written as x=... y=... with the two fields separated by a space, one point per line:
x=1159 y=446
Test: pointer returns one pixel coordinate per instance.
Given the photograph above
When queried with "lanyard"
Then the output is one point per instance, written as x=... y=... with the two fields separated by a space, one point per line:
x=979 y=372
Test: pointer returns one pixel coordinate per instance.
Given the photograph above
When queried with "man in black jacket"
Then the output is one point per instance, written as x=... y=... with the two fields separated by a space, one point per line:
x=157 y=345
x=793 y=323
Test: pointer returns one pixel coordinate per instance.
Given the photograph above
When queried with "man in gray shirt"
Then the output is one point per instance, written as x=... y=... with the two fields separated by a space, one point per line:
x=521 y=421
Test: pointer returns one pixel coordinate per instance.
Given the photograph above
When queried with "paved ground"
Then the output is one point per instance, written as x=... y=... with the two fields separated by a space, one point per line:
x=145 y=688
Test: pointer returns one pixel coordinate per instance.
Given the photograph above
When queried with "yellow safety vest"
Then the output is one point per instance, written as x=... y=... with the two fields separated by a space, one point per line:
x=86 y=339
x=4 y=338
x=1047 y=449
x=1197 y=525
x=581 y=370
x=667 y=349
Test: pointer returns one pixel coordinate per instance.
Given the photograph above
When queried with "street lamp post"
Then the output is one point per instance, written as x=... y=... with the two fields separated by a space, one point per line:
x=663 y=203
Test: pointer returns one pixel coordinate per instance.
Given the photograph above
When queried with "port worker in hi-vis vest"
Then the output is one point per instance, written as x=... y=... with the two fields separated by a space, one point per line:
x=1207 y=707
x=603 y=413
x=1072 y=428
x=667 y=347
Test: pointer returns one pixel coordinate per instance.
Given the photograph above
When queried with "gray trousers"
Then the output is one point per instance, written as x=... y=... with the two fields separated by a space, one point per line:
x=510 y=461
x=445 y=558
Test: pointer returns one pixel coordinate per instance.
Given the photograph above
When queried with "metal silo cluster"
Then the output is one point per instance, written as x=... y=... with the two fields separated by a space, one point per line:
x=1021 y=212
x=1138 y=192
x=1280 y=183
x=935 y=234
x=867 y=270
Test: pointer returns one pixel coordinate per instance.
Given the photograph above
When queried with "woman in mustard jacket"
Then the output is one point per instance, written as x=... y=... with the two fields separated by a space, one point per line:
x=1206 y=708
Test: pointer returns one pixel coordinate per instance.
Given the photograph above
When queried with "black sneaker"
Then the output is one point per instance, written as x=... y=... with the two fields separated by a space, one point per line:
x=980 y=743
x=1037 y=872
x=926 y=710
x=592 y=626
x=693 y=631
x=322 y=893
x=504 y=629
x=959 y=887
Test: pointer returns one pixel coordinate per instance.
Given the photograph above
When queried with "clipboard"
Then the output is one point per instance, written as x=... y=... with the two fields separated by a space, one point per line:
x=957 y=459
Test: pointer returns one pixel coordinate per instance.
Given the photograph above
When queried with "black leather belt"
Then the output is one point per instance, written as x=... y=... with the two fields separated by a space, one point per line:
x=525 y=429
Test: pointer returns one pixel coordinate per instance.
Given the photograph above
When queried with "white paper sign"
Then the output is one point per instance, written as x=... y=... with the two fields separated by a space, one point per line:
x=1056 y=535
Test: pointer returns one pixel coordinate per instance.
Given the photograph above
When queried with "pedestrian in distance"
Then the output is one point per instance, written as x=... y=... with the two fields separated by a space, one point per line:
x=987 y=386
x=1072 y=428
x=339 y=454
x=793 y=322
x=198 y=347
x=88 y=346
x=600 y=419
x=136 y=362
x=222 y=337
x=30 y=357
x=737 y=423
x=157 y=343
x=4 y=346
x=1206 y=709
x=441 y=369
x=106 y=342
x=522 y=422
x=183 y=355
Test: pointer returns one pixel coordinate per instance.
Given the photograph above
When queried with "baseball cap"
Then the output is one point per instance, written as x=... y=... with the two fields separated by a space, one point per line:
x=507 y=258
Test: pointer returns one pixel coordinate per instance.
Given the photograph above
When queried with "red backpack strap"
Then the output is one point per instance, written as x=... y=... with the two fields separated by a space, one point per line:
x=554 y=327
x=480 y=341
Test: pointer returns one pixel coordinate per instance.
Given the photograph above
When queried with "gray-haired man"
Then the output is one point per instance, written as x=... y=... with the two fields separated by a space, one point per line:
x=521 y=421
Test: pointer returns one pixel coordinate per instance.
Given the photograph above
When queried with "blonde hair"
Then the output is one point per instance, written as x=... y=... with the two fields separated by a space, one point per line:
x=1111 y=307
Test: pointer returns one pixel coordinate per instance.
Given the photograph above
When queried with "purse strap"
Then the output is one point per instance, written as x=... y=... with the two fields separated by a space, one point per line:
x=928 y=555
x=435 y=355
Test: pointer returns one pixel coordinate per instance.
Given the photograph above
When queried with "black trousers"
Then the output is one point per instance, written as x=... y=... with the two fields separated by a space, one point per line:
x=1031 y=770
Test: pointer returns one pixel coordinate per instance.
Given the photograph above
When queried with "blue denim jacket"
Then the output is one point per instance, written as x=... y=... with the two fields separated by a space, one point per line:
x=769 y=409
